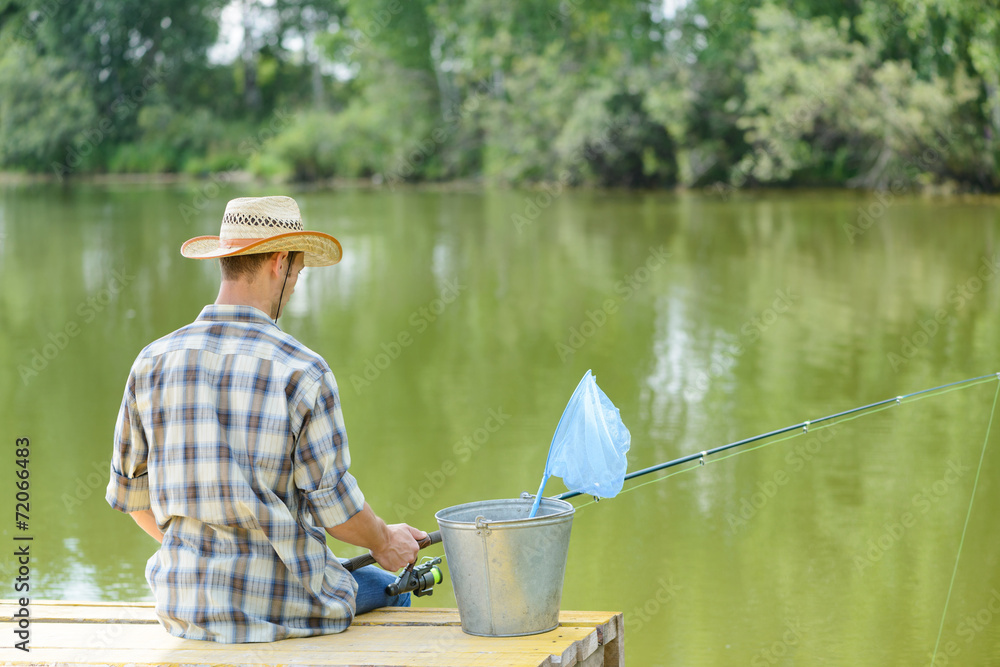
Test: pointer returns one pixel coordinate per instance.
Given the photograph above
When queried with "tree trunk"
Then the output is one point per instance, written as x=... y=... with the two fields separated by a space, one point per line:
x=251 y=93
x=317 y=72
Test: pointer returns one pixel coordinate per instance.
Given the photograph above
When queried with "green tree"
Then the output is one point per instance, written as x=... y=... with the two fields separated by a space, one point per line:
x=122 y=50
x=707 y=46
x=607 y=92
x=822 y=108
x=35 y=132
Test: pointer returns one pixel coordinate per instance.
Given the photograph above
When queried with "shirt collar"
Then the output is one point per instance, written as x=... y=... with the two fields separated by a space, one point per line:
x=233 y=313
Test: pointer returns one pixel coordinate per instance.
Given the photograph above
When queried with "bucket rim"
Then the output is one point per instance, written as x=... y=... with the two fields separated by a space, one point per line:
x=566 y=511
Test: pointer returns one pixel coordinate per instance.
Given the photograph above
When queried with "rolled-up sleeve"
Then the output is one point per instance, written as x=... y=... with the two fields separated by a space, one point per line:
x=329 y=493
x=128 y=488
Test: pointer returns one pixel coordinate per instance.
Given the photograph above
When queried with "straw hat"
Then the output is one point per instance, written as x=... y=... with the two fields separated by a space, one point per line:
x=254 y=225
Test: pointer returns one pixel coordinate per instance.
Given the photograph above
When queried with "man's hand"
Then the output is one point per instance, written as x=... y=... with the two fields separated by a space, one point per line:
x=400 y=548
x=392 y=546
x=147 y=521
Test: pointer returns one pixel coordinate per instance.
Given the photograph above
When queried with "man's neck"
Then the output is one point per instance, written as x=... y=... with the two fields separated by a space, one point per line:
x=240 y=293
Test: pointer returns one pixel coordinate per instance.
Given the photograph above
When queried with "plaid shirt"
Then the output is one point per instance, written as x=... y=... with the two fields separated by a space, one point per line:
x=231 y=431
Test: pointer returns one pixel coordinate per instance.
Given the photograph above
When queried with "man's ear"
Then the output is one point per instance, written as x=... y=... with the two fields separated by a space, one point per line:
x=276 y=265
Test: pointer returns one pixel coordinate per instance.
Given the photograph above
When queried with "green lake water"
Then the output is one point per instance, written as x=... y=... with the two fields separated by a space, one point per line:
x=458 y=325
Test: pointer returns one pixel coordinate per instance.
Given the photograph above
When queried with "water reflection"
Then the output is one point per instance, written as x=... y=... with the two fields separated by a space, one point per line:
x=702 y=351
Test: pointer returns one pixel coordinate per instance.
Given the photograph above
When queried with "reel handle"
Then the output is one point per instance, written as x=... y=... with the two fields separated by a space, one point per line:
x=352 y=564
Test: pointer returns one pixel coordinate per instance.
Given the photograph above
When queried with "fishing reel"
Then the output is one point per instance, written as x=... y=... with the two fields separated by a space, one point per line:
x=418 y=579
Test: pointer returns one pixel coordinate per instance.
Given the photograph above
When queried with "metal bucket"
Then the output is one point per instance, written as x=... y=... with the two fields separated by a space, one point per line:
x=507 y=570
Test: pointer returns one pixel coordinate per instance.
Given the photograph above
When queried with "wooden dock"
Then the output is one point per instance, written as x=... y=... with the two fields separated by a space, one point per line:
x=121 y=633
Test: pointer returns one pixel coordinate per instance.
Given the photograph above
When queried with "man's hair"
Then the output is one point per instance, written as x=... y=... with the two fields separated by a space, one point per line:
x=247 y=266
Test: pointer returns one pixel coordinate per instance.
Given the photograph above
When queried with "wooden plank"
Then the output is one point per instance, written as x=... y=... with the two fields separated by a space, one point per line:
x=110 y=633
x=401 y=652
x=139 y=612
x=47 y=613
x=39 y=607
x=7 y=605
x=11 y=603
x=113 y=635
x=613 y=639
x=151 y=645
x=90 y=612
x=373 y=658
x=585 y=617
x=578 y=652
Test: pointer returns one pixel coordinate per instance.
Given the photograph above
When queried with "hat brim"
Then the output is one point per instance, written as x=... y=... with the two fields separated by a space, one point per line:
x=320 y=249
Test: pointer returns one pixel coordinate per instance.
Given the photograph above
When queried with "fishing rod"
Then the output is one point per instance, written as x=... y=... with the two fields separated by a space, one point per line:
x=419 y=579
x=358 y=562
x=700 y=456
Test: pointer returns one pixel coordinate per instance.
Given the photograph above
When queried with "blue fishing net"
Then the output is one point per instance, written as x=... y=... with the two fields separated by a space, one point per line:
x=589 y=447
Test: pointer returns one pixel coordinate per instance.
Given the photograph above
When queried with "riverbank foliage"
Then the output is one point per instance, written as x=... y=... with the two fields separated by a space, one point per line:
x=870 y=93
